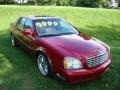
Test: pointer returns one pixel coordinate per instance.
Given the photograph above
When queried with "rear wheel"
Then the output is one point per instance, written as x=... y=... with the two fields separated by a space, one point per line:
x=13 y=41
x=44 y=65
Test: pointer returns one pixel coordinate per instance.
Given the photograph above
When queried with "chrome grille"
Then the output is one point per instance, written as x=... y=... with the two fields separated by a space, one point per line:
x=97 y=60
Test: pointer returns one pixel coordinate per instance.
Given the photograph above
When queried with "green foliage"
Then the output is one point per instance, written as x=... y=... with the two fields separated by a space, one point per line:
x=80 y=3
x=88 y=3
x=83 y=3
x=104 y=3
x=119 y=3
x=45 y=2
x=73 y=2
x=62 y=2
x=31 y=2
x=7 y=2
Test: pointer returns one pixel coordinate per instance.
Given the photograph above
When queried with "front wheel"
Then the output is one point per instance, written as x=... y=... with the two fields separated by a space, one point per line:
x=44 y=65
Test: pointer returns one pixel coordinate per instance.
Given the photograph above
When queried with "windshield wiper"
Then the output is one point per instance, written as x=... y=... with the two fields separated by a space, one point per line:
x=50 y=35
x=56 y=34
x=66 y=33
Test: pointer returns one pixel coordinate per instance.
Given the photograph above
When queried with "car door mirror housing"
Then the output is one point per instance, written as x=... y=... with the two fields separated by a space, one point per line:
x=28 y=31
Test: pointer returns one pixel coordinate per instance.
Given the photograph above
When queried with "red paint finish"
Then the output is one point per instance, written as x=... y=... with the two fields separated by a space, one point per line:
x=80 y=46
x=75 y=76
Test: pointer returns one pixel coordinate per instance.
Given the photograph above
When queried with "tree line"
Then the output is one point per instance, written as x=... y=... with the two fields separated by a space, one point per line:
x=79 y=3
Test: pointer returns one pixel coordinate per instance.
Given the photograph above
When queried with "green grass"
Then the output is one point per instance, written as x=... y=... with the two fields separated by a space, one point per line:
x=19 y=72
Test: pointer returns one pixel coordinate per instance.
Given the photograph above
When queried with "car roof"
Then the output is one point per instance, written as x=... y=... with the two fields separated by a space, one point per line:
x=36 y=17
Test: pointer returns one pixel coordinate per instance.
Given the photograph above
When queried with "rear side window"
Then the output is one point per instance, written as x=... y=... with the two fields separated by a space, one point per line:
x=20 y=23
x=28 y=24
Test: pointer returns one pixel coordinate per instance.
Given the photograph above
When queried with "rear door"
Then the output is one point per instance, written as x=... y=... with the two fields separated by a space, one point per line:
x=18 y=32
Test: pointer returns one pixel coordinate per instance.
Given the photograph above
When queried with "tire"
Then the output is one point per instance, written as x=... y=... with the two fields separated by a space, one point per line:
x=13 y=41
x=44 y=65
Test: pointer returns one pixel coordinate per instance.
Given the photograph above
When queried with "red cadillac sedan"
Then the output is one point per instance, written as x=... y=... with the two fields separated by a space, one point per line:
x=60 y=49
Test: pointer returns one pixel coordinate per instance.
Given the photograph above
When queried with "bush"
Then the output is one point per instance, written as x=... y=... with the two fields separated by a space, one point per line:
x=31 y=3
x=81 y=3
x=73 y=2
x=7 y=2
x=119 y=3
x=62 y=2
x=88 y=3
x=104 y=3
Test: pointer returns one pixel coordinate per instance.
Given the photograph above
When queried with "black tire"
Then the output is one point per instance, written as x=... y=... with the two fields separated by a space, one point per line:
x=44 y=65
x=13 y=41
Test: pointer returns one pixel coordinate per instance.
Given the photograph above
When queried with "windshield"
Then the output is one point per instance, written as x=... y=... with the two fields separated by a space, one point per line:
x=52 y=27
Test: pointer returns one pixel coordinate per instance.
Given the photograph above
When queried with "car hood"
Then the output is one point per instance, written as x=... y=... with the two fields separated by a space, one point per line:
x=75 y=45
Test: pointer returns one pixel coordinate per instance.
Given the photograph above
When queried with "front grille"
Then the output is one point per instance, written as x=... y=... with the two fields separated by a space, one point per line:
x=97 y=60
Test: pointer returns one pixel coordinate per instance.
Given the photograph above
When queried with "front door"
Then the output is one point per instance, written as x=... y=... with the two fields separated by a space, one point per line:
x=29 y=39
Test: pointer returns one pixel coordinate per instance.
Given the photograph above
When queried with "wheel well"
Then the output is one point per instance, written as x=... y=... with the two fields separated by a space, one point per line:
x=38 y=52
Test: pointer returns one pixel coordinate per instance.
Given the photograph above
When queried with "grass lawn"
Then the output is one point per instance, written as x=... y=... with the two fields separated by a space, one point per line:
x=19 y=72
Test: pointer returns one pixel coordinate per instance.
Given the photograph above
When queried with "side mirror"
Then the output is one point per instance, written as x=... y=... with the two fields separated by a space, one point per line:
x=28 y=31
x=75 y=27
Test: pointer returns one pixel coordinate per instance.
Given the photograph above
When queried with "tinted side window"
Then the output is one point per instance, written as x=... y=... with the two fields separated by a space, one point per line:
x=28 y=24
x=20 y=23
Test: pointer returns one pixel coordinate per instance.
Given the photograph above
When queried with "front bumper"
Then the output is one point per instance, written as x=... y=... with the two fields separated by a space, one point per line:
x=75 y=76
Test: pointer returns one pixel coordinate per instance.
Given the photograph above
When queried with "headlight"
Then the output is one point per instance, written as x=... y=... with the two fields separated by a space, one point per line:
x=72 y=63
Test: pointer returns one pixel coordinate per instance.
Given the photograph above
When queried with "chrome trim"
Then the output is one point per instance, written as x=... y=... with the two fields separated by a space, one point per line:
x=40 y=49
x=97 y=60
x=96 y=55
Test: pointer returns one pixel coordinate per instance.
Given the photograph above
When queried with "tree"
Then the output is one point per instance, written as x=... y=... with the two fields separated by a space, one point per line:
x=36 y=2
x=6 y=1
x=119 y=3
x=103 y=3
x=63 y=2
x=88 y=3
x=73 y=2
